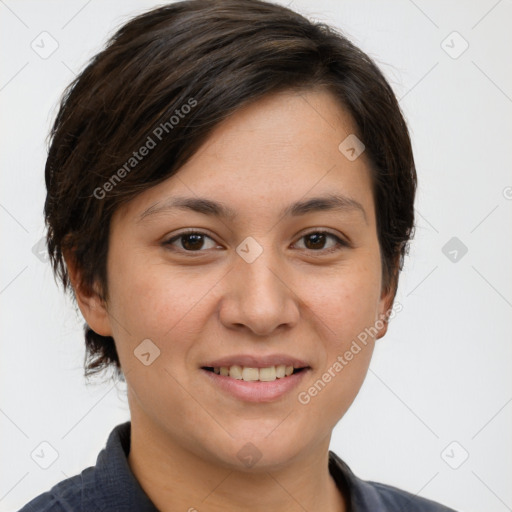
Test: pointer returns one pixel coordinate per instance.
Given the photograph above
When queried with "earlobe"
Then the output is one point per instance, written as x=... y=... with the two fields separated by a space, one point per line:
x=385 y=306
x=387 y=299
x=91 y=305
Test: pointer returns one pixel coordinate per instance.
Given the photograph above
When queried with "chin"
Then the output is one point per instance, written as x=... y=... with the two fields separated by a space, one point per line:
x=259 y=452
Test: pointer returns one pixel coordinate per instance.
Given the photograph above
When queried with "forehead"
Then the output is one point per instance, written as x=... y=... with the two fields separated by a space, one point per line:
x=288 y=126
x=282 y=147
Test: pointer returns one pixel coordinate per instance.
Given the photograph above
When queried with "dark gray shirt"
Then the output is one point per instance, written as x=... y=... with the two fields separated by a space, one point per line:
x=111 y=486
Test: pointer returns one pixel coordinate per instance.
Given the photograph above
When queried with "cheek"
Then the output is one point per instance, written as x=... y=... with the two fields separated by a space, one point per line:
x=155 y=300
x=344 y=307
x=345 y=302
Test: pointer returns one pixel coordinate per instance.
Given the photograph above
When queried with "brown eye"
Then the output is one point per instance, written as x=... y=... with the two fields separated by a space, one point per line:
x=192 y=241
x=316 y=240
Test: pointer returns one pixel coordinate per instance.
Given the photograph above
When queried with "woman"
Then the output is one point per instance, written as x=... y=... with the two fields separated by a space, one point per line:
x=230 y=199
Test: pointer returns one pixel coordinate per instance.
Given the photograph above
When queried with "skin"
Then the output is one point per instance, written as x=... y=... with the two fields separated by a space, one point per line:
x=295 y=298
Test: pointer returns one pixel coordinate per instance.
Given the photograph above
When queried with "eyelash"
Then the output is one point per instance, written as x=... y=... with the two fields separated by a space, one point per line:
x=340 y=243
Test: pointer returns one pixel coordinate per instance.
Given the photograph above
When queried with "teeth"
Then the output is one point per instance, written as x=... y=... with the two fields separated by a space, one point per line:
x=268 y=374
x=234 y=371
x=249 y=374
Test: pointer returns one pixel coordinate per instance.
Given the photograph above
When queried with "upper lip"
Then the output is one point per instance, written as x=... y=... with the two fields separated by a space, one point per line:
x=257 y=361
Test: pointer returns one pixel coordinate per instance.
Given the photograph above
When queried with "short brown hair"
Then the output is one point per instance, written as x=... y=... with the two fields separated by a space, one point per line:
x=214 y=56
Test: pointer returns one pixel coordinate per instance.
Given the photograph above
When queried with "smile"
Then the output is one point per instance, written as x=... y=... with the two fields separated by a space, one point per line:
x=250 y=374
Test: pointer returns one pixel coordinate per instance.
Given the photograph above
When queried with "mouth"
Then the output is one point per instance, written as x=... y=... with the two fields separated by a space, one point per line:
x=253 y=374
x=255 y=384
x=256 y=377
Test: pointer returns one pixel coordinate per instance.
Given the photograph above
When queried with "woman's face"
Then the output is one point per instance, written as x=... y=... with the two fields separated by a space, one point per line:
x=263 y=282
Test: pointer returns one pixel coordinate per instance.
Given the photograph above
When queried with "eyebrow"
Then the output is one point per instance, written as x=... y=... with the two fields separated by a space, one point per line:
x=330 y=202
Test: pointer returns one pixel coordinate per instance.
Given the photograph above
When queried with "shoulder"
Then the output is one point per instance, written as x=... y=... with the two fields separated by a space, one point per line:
x=70 y=495
x=110 y=485
x=399 y=500
x=369 y=496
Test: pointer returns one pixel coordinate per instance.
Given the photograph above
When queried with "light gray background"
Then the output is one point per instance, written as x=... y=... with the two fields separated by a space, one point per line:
x=443 y=371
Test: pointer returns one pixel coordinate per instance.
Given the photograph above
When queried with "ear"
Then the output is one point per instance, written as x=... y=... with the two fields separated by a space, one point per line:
x=386 y=303
x=91 y=304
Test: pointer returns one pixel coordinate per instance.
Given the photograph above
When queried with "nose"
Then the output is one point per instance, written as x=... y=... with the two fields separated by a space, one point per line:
x=259 y=297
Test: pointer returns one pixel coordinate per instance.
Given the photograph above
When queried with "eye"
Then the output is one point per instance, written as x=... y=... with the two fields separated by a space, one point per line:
x=194 y=241
x=315 y=240
x=190 y=241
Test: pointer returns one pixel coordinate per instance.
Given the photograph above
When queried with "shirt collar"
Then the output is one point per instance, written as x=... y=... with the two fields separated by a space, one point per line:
x=114 y=479
x=360 y=495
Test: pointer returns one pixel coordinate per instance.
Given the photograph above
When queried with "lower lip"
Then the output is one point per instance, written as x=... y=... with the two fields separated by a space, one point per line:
x=256 y=391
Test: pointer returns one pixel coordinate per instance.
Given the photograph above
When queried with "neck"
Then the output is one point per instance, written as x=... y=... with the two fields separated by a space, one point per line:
x=174 y=478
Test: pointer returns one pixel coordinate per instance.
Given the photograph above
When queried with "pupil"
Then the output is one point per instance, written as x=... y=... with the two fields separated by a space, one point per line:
x=318 y=238
x=198 y=240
